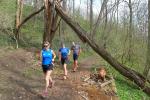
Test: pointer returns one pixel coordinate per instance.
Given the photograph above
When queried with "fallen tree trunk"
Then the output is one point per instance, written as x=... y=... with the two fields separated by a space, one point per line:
x=129 y=73
x=82 y=34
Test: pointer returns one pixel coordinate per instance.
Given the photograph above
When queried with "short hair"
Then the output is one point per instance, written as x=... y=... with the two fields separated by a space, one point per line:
x=46 y=43
x=73 y=43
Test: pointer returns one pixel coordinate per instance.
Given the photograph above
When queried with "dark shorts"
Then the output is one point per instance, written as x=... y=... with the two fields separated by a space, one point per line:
x=75 y=56
x=64 y=61
x=47 y=67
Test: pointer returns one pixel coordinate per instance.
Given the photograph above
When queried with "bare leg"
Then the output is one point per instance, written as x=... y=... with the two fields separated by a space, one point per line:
x=50 y=80
x=47 y=78
x=75 y=65
x=65 y=70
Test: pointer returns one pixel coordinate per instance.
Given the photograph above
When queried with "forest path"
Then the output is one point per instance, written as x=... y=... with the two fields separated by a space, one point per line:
x=22 y=79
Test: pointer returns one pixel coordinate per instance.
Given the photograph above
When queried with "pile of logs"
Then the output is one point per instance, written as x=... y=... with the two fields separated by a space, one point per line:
x=102 y=81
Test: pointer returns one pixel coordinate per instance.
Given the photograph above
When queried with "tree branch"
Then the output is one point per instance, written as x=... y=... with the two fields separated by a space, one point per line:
x=30 y=16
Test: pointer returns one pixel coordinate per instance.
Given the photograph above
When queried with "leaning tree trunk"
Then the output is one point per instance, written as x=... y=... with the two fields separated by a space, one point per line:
x=134 y=76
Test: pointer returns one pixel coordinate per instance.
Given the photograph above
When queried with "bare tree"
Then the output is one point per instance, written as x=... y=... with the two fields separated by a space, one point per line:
x=63 y=24
x=117 y=15
x=130 y=31
x=93 y=31
x=73 y=5
x=64 y=5
x=105 y=36
x=18 y=20
x=147 y=67
x=50 y=21
x=91 y=14
x=87 y=8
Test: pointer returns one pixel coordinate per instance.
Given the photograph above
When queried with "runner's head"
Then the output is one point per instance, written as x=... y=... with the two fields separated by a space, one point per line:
x=73 y=43
x=46 y=44
x=62 y=45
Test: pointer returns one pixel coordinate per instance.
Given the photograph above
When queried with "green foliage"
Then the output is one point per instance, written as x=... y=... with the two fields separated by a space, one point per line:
x=128 y=91
x=5 y=40
x=8 y=11
x=7 y=15
x=8 y=6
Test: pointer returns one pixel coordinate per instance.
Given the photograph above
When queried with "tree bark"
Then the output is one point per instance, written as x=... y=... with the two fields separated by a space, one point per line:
x=130 y=51
x=73 y=5
x=18 y=20
x=49 y=21
x=93 y=31
x=147 y=67
x=87 y=9
x=117 y=16
x=63 y=24
x=129 y=73
x=105 y=34
x=91 y=14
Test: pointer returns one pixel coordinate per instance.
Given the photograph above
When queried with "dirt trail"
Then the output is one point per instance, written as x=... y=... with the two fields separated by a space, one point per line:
x=89 y=62
x=22 y=79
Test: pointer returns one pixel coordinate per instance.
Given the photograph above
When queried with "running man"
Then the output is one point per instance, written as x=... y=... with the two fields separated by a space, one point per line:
x=76 y=52
x=47 y=57
x=63 y=57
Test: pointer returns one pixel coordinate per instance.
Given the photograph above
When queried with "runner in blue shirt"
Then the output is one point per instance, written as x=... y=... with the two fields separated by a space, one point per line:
x=63 y=57
x=47 y=57
x=76 y=52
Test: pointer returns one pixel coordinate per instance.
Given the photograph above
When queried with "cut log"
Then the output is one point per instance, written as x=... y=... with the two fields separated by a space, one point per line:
x=122 y=69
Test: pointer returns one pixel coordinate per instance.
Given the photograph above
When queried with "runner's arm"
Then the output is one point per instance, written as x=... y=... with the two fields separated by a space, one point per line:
x=54 y=55
x=59 y=55
x=79 y=51
x=69 y=51
x=72 y=49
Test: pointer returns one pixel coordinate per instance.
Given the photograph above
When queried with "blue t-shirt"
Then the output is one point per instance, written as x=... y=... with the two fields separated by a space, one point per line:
x=47 y=57
x=64 y=52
